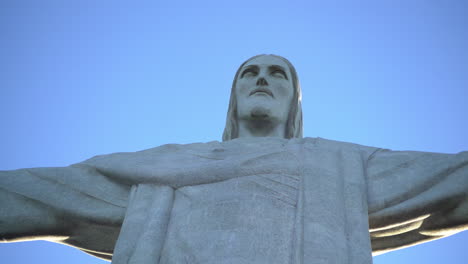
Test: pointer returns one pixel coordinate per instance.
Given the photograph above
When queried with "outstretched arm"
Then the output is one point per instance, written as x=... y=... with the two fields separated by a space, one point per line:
x=415 y=197
x=84 y=204
x=183 y=165
x=75 y=206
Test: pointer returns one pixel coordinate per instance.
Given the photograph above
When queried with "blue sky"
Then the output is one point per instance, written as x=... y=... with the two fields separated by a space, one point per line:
x=95 y=77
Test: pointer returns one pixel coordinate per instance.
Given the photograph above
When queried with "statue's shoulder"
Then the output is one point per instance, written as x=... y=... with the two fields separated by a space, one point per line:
x=239 y=145
x=244 y=143
x=336 y=145
x=179 y=149
x=184 y=147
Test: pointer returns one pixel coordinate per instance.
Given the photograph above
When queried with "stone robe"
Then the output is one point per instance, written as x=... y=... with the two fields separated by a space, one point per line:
x=257 y=200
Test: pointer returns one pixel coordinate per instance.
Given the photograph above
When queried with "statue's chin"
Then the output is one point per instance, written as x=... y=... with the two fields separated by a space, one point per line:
x=259 y=112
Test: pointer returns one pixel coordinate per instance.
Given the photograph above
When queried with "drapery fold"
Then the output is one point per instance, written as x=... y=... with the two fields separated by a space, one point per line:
x=403 y=197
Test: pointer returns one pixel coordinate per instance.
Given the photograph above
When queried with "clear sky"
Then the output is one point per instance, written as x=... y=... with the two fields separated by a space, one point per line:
x=83 y=78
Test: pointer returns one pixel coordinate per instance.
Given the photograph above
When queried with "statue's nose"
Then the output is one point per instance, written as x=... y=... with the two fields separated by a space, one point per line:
x=262 y=82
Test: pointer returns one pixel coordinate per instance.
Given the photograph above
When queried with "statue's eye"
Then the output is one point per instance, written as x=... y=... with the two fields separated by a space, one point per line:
x=249 y=73
x=279 y=73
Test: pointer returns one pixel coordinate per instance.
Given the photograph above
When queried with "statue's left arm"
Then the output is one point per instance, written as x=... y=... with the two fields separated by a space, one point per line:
x=415 y=197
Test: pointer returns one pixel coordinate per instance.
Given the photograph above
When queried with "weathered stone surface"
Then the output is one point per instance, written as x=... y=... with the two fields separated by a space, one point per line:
x=297 y=200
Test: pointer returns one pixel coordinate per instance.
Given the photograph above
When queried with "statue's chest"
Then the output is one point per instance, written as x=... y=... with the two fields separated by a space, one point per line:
x=244 y=220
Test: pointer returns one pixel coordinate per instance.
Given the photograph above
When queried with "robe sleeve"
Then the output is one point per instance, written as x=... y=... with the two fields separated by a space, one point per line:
x=414 y=197
x=84 y=205
x=73 y=205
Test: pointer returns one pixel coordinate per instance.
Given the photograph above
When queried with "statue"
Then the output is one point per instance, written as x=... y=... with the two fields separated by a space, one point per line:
x=263 y=195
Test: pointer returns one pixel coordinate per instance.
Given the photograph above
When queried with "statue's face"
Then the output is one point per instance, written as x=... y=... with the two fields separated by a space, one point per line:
x=264 y=89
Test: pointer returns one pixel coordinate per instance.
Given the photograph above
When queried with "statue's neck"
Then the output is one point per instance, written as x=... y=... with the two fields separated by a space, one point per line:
x=261 y=128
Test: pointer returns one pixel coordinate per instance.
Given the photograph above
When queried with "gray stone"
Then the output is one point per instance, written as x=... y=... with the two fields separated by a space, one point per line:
x=264 y=195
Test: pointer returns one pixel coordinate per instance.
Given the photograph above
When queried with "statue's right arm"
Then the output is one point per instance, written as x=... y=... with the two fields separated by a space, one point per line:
x=172 y=165
x=46 y=202
x=73 y=205
x=22 y=218
x=84 y=205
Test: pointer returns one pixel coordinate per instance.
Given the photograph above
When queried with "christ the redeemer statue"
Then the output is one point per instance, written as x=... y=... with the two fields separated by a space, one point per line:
x=263 y=195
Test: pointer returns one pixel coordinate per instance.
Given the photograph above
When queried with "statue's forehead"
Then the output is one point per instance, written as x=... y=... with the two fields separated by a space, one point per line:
x=267 y=60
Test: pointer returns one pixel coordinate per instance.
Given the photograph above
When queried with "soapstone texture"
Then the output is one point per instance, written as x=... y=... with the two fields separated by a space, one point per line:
x=263 y=195
x=264 y=200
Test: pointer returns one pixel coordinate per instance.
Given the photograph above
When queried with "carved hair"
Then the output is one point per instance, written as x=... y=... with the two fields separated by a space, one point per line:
x=294 y=122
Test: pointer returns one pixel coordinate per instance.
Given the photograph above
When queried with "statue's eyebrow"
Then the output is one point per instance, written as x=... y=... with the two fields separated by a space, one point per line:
x=278 y=67
x=249 y=67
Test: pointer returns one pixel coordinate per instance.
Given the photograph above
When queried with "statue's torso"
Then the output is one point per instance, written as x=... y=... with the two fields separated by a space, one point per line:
x=251 y=209
x=243 y=220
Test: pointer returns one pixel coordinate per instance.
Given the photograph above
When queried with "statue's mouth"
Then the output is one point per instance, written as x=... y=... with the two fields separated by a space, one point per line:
x=261 y=91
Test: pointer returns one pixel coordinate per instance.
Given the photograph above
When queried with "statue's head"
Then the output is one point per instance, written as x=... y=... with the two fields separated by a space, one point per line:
x=265 y=87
